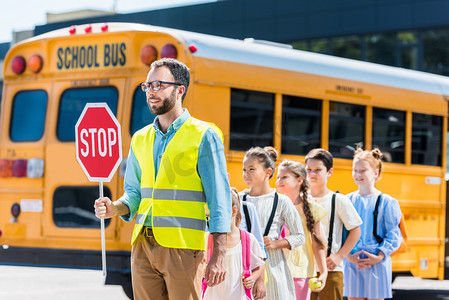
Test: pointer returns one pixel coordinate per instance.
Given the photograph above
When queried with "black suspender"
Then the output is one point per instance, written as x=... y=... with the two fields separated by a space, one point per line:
x=376 y=213
x=331 y=226
x=245 y=210
x=273 y=212
x=270 y=220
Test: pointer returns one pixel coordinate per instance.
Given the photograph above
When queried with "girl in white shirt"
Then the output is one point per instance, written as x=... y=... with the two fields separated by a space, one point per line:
x=233 y=287
x=258 y=168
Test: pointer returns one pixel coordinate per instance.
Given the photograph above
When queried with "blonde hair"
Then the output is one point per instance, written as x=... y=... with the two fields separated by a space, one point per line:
x=299 y=170
x=267 y=156
x=373 y=157
x=236 y=203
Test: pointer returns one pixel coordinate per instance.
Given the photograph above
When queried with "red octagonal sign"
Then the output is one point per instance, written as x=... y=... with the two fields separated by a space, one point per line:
x=98 y=142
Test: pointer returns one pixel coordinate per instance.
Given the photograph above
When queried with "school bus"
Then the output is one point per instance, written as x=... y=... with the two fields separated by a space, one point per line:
x=259 y=93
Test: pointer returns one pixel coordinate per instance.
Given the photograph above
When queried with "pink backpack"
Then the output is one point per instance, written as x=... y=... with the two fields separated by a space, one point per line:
x=246 y=258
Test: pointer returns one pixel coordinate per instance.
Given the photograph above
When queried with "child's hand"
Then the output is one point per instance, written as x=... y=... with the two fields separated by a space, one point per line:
x=259 y=290
x=369 y=259
x=354 y=258
x=248 y=282
x=269 y=243
x=322 y=278
x=333 y=261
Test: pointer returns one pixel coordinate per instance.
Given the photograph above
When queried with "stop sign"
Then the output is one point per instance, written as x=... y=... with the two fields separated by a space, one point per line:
x=98 y=142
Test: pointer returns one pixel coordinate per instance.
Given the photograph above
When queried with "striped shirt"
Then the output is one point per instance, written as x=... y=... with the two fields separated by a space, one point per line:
x=280 y=283
x=374 y=282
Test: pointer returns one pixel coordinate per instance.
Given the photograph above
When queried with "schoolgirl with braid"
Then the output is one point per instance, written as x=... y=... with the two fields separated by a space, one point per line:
x=292 y=182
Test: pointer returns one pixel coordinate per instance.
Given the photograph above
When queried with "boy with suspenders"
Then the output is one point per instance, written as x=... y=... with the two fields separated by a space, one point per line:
x=319 y=166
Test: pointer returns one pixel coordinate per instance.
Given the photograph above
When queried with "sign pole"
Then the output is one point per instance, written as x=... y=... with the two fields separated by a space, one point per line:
x=98 y=151
x=103 y=240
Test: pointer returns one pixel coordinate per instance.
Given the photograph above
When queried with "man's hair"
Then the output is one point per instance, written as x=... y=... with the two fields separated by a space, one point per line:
x=323 y=155
x=178 y=69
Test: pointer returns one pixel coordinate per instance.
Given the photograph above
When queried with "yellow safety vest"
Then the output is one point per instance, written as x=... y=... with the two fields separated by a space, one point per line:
x=176 y=195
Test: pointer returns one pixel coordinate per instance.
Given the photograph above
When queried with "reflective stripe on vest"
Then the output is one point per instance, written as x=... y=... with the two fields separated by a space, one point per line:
x=176 y=197
x=161 y=194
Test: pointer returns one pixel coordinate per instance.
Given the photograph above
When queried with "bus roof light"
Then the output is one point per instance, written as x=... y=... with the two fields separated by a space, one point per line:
x=18 y=64
x=88 y=29
x=35 y=168
x=35 y=63
x=104 y=27
x=72 y=29
x=19 y=168
x=193 y=48
x=148 y=54
x=169 y=51
x=5 y=168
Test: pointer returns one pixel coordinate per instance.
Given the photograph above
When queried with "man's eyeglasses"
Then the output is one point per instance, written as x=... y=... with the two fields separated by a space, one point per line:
x=155 y=85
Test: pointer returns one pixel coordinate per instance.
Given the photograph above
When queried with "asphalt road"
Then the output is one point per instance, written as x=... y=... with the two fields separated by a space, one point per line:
x=413 y=288
x=32 y=283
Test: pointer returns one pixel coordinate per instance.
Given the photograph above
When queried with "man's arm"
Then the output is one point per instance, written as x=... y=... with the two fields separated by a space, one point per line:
x=216 y=268
x=105 y=208
x=213 y=173
x=128 y=205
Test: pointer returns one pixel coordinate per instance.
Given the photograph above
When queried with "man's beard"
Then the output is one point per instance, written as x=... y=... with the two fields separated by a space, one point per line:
x=167 y=105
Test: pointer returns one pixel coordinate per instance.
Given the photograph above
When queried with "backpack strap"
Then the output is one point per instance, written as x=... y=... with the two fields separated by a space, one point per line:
x=245 y=210
x=273 y=212
x=376 y=213
x=210 y=247
x=246 y=258
x=331 y=226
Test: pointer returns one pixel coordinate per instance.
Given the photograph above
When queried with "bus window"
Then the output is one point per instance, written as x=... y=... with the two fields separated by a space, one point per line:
x=252 y=115
x=301 y=124
x=389 y=133
x=28 y=116
x=346 y=128
x=73 y=206
x=426 y=139
x=141 y=115
x=72 y=104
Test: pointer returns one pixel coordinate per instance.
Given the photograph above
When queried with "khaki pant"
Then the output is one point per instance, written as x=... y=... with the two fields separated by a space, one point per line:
x=165 y=273
x=333 y=290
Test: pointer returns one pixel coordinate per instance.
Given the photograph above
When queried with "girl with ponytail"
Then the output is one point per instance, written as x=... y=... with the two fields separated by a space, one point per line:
x=292 y=182
x=274 y=211
x=367 y=268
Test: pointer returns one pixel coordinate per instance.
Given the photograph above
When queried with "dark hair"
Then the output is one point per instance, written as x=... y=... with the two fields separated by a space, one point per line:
x=236 y=203
x=323 y=155
x=299 y=170
x=178 y=69
x=373 y=157
x=267 y=156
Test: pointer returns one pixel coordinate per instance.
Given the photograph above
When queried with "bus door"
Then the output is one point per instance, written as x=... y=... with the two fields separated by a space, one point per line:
x=69 y=194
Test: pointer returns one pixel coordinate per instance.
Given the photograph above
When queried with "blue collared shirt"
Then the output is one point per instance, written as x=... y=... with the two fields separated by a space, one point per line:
x=211 y=169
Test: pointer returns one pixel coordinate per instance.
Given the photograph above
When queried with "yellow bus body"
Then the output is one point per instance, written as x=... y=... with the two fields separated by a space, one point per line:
x=217 y=65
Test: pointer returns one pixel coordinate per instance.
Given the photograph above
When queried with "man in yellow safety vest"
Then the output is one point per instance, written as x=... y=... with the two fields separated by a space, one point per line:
x=174 y=168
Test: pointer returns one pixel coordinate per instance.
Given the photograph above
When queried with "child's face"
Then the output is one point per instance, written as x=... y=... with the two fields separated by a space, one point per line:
x=317 y=173
x=254 y=172
x=287 y=182
x=363 y=173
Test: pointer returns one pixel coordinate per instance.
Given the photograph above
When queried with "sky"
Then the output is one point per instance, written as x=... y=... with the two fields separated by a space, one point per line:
x=18 y=15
